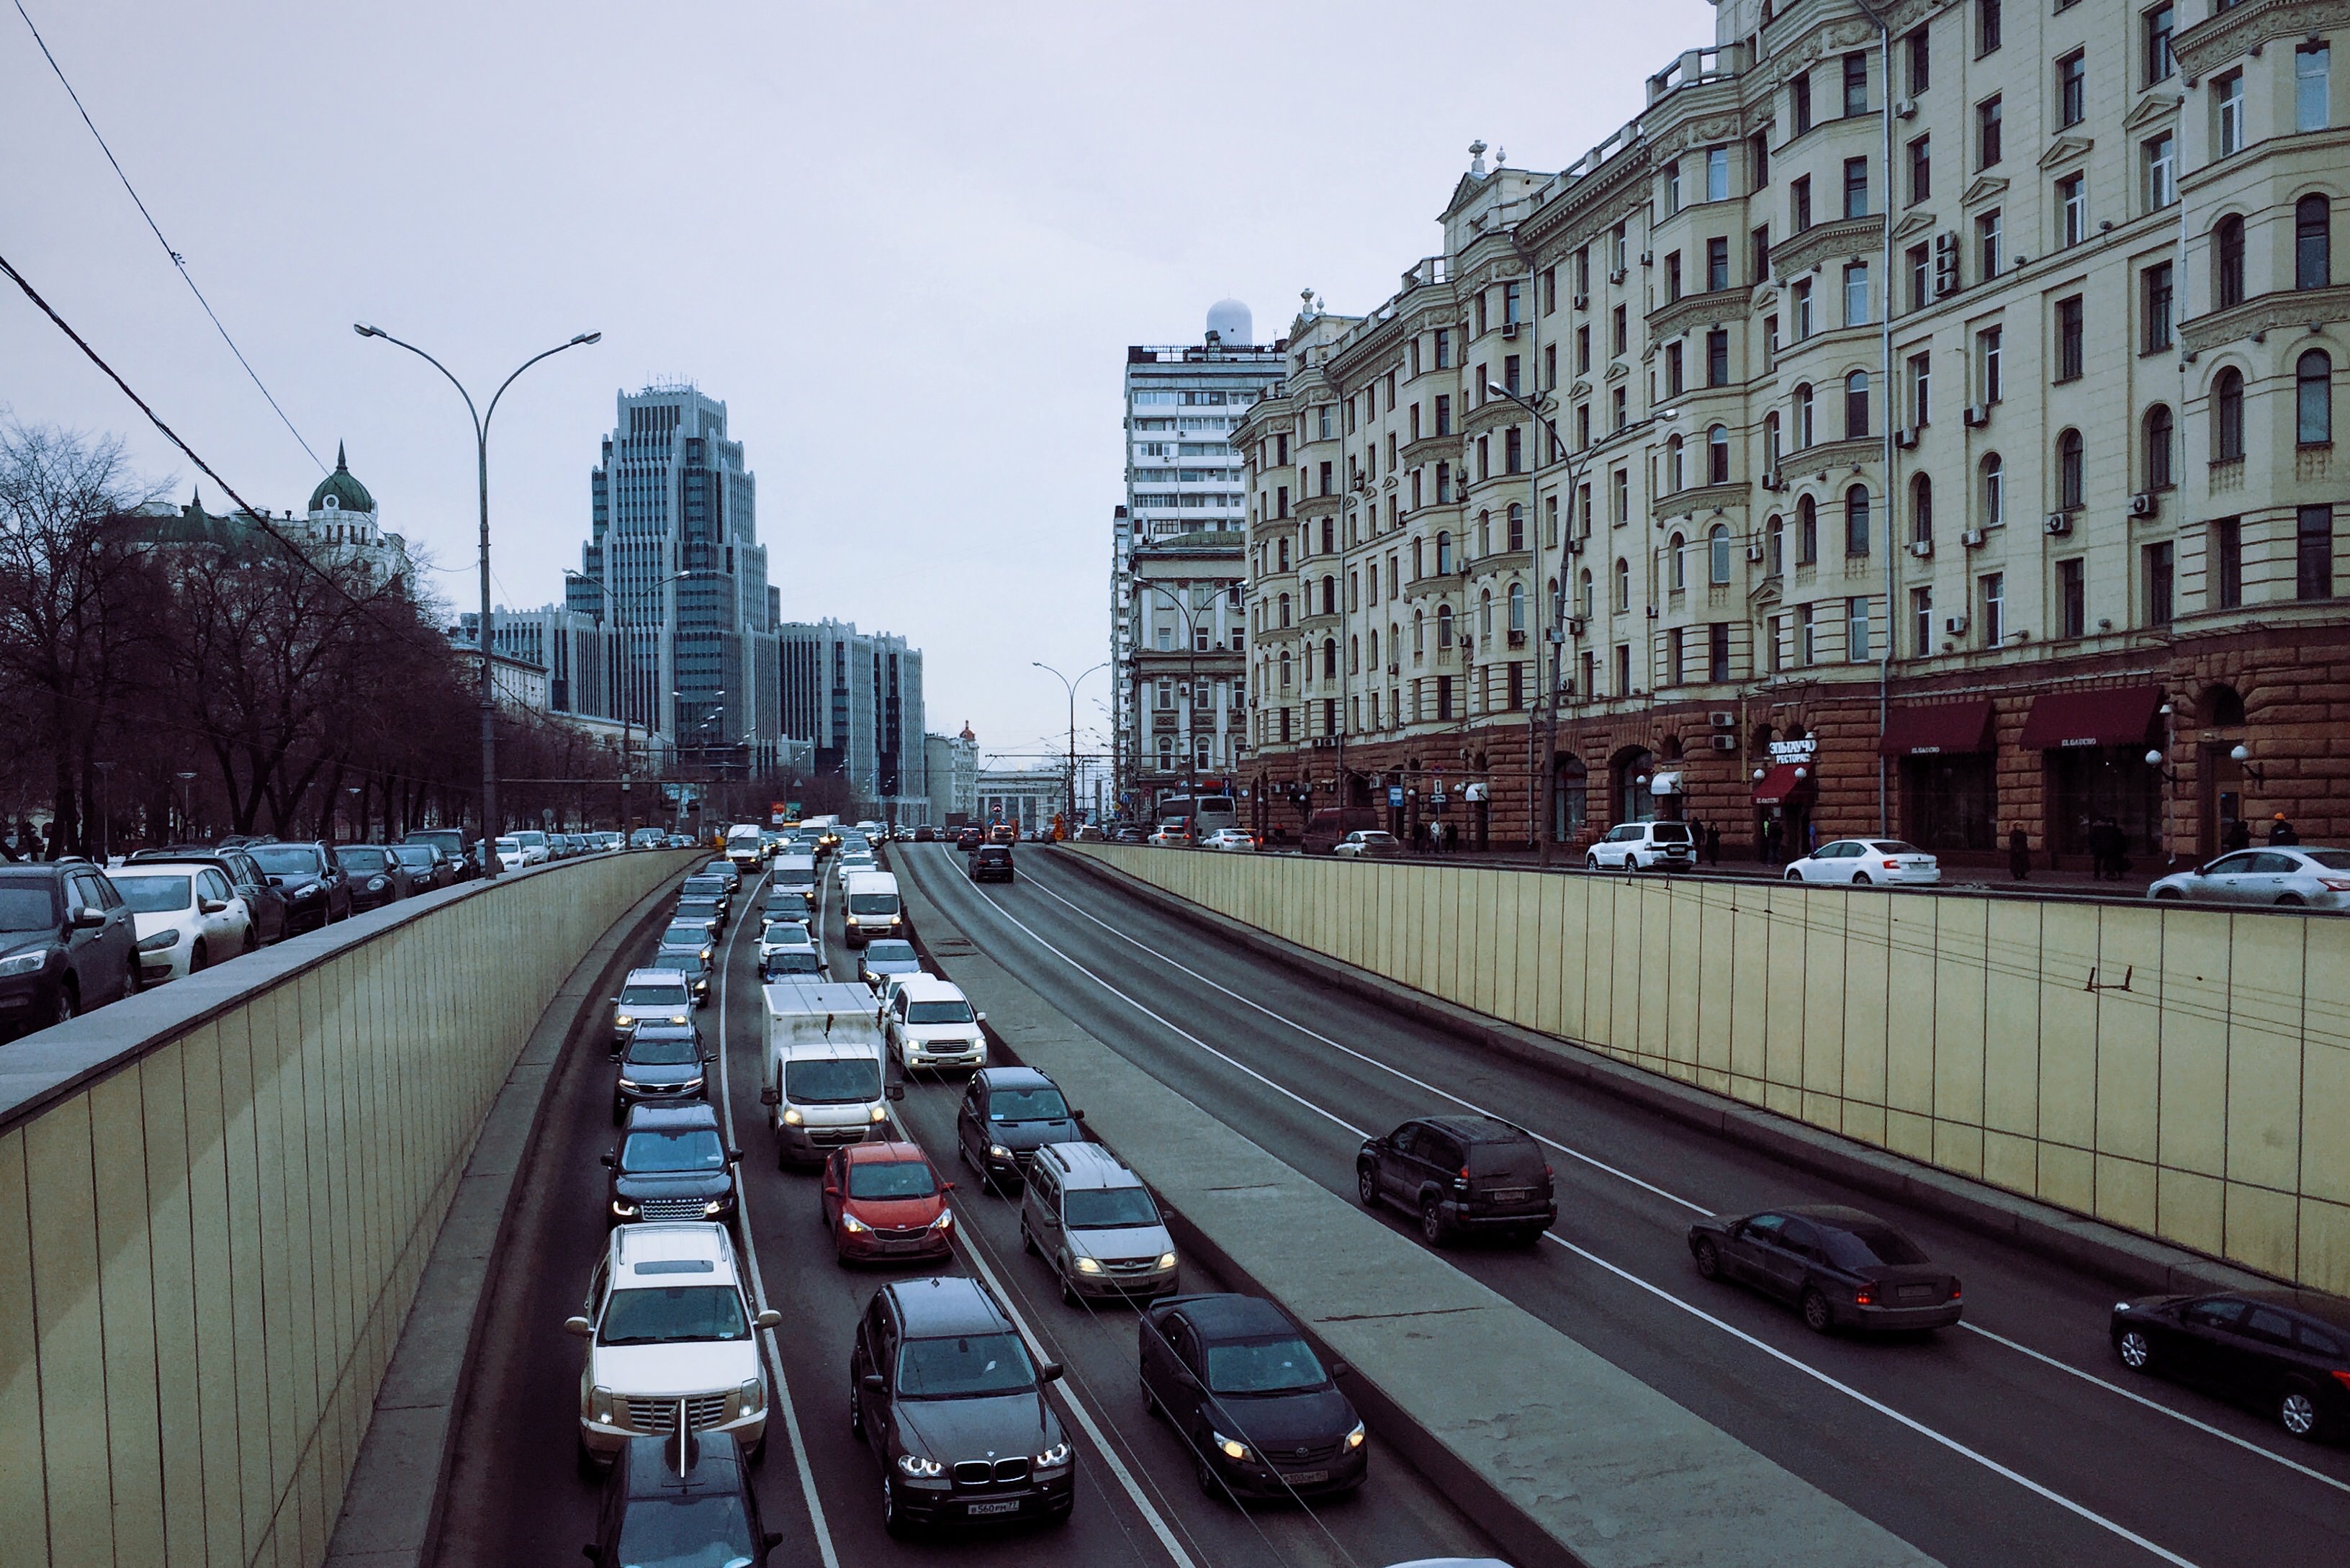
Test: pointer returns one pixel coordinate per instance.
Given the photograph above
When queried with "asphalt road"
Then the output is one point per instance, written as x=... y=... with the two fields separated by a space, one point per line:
x=2015 y=1439
x=516 y=1501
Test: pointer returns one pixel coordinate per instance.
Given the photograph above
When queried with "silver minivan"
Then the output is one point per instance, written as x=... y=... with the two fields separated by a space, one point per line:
x=1094 y=1224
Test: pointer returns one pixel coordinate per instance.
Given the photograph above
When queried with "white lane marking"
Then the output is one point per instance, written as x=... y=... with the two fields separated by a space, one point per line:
x=1419 y=1084
x=1372 y=1061
x=759 y=1276
x=1952 y=1444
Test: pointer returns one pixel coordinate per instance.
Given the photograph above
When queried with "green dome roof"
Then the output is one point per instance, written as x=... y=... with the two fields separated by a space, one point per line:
x=339 y=491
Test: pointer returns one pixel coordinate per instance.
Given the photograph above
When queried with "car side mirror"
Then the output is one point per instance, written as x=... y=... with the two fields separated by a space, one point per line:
x=981 y=1017
x=1077 y=1116
x=605 y=1157
x=768 y=1318
x=872 y=1383
x=895 y=1091
x=613 y=1001
x=1340 y=1369
x=88 y=919
x=1050 y=1372
x=733 y=1156
x=211 y=906
x=579 y=1326
x=946 y=1186
x=771 y=1096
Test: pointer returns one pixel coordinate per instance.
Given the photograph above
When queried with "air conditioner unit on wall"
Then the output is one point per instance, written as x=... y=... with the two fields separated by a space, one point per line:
x=1921 y=548
x=1580 y=302
x=2145 y=503
x=1972 y=539
x=2058 y=523
x=1772 y=480
x=1509 y=329
x=1616 y=274
x=1906 y=437
x=1955 y=625
x=1723 y=719
x=1753 y=549
x=1978 y=415
x=1725 y=743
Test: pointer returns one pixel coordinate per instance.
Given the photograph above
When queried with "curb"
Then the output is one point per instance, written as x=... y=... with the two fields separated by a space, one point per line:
x=2106 y=1252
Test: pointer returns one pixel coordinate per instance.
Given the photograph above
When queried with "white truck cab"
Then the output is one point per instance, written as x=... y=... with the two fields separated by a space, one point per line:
x=822 y=1073
x=746 y=848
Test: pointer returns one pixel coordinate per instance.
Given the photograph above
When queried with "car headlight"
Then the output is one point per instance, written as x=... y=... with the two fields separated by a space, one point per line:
x=854 y=1226
x=623 y=1210
x=1053 y=1457
x=1088 y=1266
x=1166 y=1260
x=714 y=1208
x=880 y=1113
x=22 y=963
x=705 y=954
x=916 y=1465
x=1355 y=1438
x=945 y=1222
x=159 y=941
x=624 y=1020
x=630 y=1084
x=997 y=1151
x=680 y=1018
x=600 y=1406
x=792 y=1116
x=753 y=1396
x=690 y=1085
x=1229 y=1448
x=377 y=883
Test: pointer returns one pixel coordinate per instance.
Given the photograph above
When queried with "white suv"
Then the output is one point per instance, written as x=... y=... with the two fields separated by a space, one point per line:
x=930 y=1024
x=667 y=1323
x=1644 y=846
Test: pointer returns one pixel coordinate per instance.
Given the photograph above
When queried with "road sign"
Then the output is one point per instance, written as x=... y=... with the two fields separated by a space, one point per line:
x=1395 y=797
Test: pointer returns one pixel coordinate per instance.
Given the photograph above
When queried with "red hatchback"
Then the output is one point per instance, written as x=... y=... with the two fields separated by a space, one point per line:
x=883 y=1201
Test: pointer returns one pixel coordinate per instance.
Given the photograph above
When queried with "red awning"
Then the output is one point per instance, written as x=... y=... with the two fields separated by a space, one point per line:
x=1936 y=728
x=2113 y=716
x=1780 y=785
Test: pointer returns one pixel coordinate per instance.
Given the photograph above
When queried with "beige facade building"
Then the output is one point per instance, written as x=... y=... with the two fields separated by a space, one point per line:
x=1925 y=429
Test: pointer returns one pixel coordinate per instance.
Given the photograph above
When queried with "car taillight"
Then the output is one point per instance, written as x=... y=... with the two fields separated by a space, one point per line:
x=1893 y=865
x=1954 y=1290
x=2342 y=1376
x=2334 y=884
x=1865 y=1297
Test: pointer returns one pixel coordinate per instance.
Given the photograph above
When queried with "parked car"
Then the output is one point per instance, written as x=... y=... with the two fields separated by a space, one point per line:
x=883 y=1201
x=1094 y=1224
x=1461 y=1174
x=1007 y=1114
x=2279 y=1351
x=532 y=845
x=186 y=916
x=650 y=996
x=317 y=889
x=648 y=838
x=376 y=875
x=672 y=1162
x=1369 y=843
x=1234 y=840
x=427 y=870
x=668 y=1320
x=264 y=905
x=1643 y=847
x=660 y=1065
x=685 y=1499
x=1864 y=861
x=941 y=1389
x=991 y=863
x=930 y=1024
x=67 y=943
x=2295 y=877
x=1261 y=1414
x=1842 y=1266
x=882 y=959
x=451 y=843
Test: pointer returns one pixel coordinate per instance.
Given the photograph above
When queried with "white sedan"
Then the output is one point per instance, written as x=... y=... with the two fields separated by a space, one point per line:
x=1864 y=861
x=1238 y=840
x=187 y=918
x=1369 y=842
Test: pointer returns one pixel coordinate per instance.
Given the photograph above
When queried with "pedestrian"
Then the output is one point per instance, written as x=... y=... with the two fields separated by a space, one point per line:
x=1770 y=844
x=2280 y=831
x=1713 y=844
x=2238 y=836
x=2018 y=853
x=2106 y=845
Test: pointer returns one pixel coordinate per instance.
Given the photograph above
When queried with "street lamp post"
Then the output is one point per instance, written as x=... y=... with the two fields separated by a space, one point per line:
x=1069 y=817
x=482 y=470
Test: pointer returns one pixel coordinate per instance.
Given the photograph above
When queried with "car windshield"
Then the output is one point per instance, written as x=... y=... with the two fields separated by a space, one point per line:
x=1264 y=1367
x=687 y=1149
x=155 y=895
x=645 y=993
x=956 y=1012
x=835 y=1083
x=418 y=856
x=2328 y=859
x=795 y=877
x=891 y=1178
x=685 y=955
x=27 y=906
x=365 y=862
x=967 y=1366
x=1375 y=837
x=287 y=859
x=1895 y=846
x=787 y=934
x=873 y=903
x=790 y=960
x=1109 y=1208
x=662 y=1529
x=1870 y=1246
x=688 y=908
x=686 y=934
x=879 y=953
x=663 y=1051
x=1040 y=1104
x=717 y=869
x=659 y=1313
x=709 y=886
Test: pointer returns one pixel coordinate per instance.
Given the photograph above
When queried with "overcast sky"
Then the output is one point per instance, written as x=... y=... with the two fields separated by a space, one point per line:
x=906 y=244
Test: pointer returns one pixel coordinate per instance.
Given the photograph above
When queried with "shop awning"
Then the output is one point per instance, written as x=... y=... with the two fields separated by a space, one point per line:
x=1938 y=728
x=2112 y=716
x=1786 y=783
x=1666 y=782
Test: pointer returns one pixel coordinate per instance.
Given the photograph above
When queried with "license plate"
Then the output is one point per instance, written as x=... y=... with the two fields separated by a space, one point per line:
x=1510 y=1194
x=976 y=1508
x=901 y=1246
x=1915 y=1294
x=1304 y=1478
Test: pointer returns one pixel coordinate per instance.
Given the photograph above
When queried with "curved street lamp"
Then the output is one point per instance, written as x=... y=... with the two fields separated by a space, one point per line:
x=1069 y=818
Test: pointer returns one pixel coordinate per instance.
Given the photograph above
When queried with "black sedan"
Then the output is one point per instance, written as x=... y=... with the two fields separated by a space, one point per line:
x=1257 y=1408
x=317 y=890
x=377 y=876
x=2284 y=1350
x=672 y=1164
x=1843 y=1268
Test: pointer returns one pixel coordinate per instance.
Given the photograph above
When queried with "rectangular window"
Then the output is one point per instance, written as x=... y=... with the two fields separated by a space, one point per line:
x=1581 y=426
x=1807 y=646
x=1512 y=303
x=1855 y=84
x=1801 y=297
x=1988 y=240
x=1514 y=454
x=1986 y=26
x=2228 y=113
x=1483 y=326
x=1676 y=670
x=2159 y=156
x=1583 y=272
x=1443 y=416
x=2158 y=583
x=2155 y=293
x=1510 y=373
x=1673 y=276
x=1987 y=358
x=1673 y=369
x=2073 y=89
x=1993 y=594
x=1717 y=264
x=1921 y=169
x=1325 y=479
x=1550 y=367
x=1717 y=173
x=1717 y=358
x=1855 y=187
x=2311 y=77
x=2073 y=207
x=2226 y=547
x=1799 y=204
x=2068 y=339
x=1921 y=622
x=1550 y=291
x=1855 y=294
x=1672 y=187
x=2157 y=25
x=1922 y=275
x=1856 y=629
x=1619 y=409
x=2314 y=552
x=1759 y=255
x=1990 y=133
x=2072 y=597
x=1622 y=334
x=1920 y=72
x=1771 y=338
x=1778 y=643
x=1620 y=497
x=1921 y=390
x=1799 y=105
x=1758 y=161
x=1444 y=347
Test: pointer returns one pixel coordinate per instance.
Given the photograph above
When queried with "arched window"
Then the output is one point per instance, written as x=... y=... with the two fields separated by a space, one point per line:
x=1717 y=554
x=1855 y=520
x=1285 y=669
x=1717 y=456
x=1774 y=555
x=1517 y=527
x=1329 y=659
x=1676 y=550
x=2158 y=433
x=1354 y=656
x=1329 y=595
x=1374 y=651
x=1993 y=490
x=2068 y=469
x=1443 y=552
x=1807 y=531
x=1485 y=616
x=2228 y=263
x=2220 y=708
x=1418 y=633
x=1518 y=610
x=1444 y=626
x=2313 y=243
x=2313 y=398
x=1284 y=610
x=1673 y=480
x=1582 y=594
x=1803 y=416
x=1921 y=511
x=1623 y=585
x=1770 y=439
x=2228 y=416
x=1856 y=405
x=1484 y=532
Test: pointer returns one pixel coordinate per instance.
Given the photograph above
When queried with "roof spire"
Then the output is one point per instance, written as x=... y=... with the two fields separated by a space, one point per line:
x=342 y=464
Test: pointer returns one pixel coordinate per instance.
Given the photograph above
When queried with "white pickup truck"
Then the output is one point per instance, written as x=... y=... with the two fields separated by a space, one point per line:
x=822 y=1073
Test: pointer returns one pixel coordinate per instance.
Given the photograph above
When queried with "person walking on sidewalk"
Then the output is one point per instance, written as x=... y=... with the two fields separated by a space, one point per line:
x=2280 y=832
x=2018 y=853
x=1713 y=844
x=2238 y=836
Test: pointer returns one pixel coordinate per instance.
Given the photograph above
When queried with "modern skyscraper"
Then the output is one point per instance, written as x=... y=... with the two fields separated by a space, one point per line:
x=859 y=696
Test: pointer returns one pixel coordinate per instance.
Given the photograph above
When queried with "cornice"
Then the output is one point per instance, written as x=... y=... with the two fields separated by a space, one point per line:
x=1707 y=123
x=1614 y=191
x=1982 y=188
x=1787 y=62
x=1720 y=305
x=1857 y=237
x=2066 y=149
x=1701 y=499
x=2152 y=110
x=1819 y=462
x=2267 y=313
x=2219 y=39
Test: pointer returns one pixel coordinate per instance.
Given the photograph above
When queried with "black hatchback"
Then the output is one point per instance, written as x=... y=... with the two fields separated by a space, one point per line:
x=1842 y=1266
x=1462 y=1175
x=317 y=889
x=681 y=1501
x=992 y=863
x=2284 y=1350
x=1261 y=1414
x=673 y=1163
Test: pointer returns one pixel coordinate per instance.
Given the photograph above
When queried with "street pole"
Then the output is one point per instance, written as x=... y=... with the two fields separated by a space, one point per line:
x=1069 y=816
x=489 y=697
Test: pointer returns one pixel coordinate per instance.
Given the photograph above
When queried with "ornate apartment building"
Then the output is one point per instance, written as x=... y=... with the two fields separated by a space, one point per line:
x=1917 y=420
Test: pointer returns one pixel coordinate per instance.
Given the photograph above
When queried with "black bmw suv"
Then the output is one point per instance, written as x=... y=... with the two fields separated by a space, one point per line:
x=66 y=943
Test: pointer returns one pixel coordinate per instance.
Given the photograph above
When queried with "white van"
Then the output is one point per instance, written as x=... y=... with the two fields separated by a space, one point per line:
x=821 y=1075
x=796 y=873
x=746 y=849
x=873 y=908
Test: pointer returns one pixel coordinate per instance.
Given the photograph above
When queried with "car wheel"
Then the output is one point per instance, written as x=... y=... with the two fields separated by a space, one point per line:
x=68 y=1003
x=2290 y=902
x=1861 y=879
x=1709 y=1260
x=1151 y=1406
x=1209 y=1485
x=1027 y=1241
x=1432 y=1229
x=1793 y=875
x=252 y=940
x=1366 y=1184
x=2136 y=1350
x=2297 y=1412
x=893 y=1518
x=1591 y=863
x=134 y=978
x=1069 y=1297
x=2172 y=894
x=1816 y=1316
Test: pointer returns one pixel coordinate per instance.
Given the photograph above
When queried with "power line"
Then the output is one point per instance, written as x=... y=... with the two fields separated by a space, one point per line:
x=178 y=260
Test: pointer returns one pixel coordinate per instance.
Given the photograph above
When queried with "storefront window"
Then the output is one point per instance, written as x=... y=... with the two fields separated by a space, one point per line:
x=1570 y=799
x=1633 y=801
x=1950 y=802
x=2087 y=785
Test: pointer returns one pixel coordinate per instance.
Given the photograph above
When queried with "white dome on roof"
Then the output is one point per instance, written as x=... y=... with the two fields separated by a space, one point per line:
x=1232 y=324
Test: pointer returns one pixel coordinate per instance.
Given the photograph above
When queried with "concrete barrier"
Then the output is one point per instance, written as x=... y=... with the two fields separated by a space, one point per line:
x=215 y=1202
x=2180 y=1072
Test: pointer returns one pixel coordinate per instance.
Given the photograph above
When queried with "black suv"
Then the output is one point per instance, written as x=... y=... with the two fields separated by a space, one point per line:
x=679 y=1501
x=673 y=1163
x=991 y=863
x=1260 y=1412
x=1462 y=1175
x=66 y=943
x=317 y=890
x=1007 y=1114
x=451 y=843
x=943 y=1391
x=265 y=903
